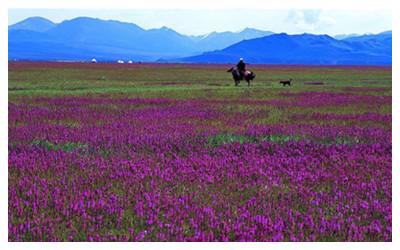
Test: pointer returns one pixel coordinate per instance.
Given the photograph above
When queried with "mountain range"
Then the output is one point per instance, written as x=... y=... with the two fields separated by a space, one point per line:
x=84 y=38
x=304 y=49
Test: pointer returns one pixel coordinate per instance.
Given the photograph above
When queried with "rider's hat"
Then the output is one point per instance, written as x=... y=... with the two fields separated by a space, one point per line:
x=241 y=59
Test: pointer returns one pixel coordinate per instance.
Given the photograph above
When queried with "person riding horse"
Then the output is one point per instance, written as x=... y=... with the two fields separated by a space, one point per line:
x=241 y=68
x=240 y=73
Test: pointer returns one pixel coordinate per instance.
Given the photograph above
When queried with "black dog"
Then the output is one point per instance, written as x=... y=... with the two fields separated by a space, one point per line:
x=286 y=82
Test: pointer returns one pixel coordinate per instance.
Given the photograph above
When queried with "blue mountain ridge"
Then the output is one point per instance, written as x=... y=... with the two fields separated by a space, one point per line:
x=84 y=38
x=301 y=49
x=39 y=24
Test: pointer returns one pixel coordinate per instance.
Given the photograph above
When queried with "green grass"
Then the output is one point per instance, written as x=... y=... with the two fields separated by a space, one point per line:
x=66 y=147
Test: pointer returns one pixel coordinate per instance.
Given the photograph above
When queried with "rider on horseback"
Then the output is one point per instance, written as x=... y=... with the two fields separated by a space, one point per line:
x=239 y=73
x=241 y=68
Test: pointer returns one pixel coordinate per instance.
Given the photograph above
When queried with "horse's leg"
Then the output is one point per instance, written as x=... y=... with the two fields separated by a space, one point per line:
x=235 y=78
x=235 y=81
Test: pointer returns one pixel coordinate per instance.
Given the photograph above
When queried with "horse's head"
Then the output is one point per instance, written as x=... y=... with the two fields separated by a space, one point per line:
x=231 y=69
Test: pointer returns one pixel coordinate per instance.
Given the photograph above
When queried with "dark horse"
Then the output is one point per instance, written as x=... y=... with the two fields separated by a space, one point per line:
x=237 y=78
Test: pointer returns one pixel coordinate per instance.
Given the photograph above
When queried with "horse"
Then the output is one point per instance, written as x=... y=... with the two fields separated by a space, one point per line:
x=236 y=77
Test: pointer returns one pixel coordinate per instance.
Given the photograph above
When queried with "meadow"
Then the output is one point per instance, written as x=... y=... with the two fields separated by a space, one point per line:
x=175 y=152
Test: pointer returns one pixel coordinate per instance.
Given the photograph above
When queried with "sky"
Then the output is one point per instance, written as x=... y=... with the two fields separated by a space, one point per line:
x=197 y=21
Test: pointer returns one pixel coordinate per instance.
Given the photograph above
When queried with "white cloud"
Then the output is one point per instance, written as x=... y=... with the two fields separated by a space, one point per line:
x=308 y=20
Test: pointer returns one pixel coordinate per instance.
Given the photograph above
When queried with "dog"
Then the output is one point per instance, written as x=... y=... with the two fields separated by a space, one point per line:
x=286 y=82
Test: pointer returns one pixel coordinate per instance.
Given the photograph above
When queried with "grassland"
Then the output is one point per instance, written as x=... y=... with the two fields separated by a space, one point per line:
x=175 y=152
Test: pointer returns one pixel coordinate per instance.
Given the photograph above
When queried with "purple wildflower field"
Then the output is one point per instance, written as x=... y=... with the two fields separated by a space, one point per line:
x=155 y=152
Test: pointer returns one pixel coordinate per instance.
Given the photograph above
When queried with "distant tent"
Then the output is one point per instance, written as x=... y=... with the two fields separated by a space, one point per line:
x=120 y=61
x=94 y=60
x=129 y=61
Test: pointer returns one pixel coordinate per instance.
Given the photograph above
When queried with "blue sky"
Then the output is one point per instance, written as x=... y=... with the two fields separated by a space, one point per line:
x=195 y=21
